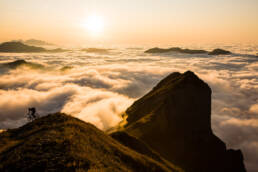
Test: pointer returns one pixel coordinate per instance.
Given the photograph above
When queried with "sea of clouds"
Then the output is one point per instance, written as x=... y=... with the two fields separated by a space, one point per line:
x=98 y=88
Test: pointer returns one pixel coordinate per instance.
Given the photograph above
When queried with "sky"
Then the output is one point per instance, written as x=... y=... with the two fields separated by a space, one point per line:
x=130 y=22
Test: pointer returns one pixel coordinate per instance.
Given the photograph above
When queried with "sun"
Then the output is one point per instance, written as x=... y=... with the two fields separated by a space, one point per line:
x=94 y=25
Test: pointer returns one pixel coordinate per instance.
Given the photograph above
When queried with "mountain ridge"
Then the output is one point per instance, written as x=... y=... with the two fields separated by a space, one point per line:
x=20 y=47
x=187 y=51
x=59 y=142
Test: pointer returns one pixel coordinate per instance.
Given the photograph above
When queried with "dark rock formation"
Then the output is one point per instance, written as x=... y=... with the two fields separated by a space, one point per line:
x=219 y=52
x=18 y=47
x=177 y=50
x=174 y=119
x=62 y=143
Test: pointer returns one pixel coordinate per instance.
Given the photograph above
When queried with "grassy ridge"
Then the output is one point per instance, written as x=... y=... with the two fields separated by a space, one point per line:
x=59 y=142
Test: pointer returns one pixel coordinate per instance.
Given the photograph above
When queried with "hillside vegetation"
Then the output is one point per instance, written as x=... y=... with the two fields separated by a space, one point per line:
x=59 y=142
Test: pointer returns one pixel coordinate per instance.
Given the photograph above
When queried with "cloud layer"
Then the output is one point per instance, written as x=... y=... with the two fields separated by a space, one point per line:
x=98 y=88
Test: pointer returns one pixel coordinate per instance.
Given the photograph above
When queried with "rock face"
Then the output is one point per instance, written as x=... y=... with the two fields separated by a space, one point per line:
x=59 y=142
x=219 y=52
x=174 y=119
x=18 y=47
x=175 y=49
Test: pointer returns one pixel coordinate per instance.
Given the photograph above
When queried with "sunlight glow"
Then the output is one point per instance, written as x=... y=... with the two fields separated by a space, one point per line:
x=95 y=25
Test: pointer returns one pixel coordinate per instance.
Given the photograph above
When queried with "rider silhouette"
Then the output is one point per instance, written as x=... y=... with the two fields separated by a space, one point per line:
x=32 y=113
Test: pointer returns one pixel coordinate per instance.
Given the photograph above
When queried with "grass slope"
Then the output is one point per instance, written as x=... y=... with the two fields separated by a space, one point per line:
x=59 y=142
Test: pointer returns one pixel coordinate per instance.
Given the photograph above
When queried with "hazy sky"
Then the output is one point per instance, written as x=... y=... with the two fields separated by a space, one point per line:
x=131 y=21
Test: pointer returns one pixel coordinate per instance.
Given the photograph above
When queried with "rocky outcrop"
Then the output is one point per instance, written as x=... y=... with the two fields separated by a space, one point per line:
x=174 y=119
x=59 y=142
x=219 y=52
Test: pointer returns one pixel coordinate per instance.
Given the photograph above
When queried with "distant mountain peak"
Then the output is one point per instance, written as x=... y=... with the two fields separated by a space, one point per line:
x=32 y=41
x=19 y=47
x=187 y=51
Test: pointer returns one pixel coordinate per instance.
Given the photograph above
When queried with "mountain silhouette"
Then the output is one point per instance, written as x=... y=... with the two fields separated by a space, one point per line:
x=219 y=52
x=19 y=47
x=174 y=119
x=18 y=63
x=187 y=51
x=59 y=142
x=176 y=50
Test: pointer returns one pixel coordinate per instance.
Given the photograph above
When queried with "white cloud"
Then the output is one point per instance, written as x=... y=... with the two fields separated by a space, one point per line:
x=98 y=88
